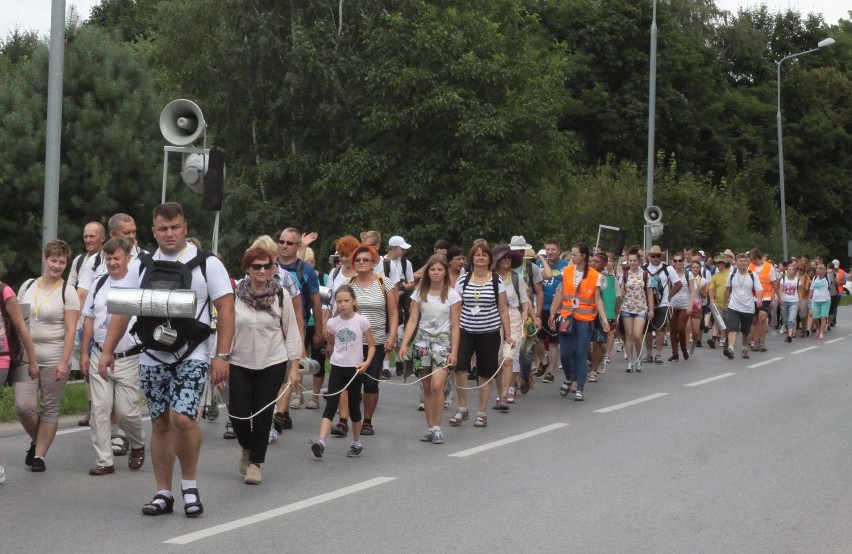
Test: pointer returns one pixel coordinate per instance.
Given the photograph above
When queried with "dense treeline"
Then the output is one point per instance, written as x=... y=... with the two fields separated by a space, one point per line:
x=441 y=119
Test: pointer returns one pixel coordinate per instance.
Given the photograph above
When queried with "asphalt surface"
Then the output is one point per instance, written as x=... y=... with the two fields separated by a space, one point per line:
x=707 y=455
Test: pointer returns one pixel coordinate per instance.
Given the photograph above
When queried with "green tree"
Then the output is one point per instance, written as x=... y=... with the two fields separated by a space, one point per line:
x=110 y=149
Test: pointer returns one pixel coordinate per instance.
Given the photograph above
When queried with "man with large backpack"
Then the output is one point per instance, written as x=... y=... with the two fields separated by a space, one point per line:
x=175 y=360
x=664 y=284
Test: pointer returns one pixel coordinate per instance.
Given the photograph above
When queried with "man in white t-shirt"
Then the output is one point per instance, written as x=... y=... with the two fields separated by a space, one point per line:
x=174 y=382
x=93 y=241
x=740 y=293
x=118 y=389
x=402 y=275
x=670 y=284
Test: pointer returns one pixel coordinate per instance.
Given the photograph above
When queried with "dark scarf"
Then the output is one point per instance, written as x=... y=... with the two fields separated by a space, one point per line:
x=262 y=300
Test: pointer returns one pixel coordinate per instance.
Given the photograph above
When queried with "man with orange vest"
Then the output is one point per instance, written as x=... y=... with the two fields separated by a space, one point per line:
x=578 y=303
x=768 y=275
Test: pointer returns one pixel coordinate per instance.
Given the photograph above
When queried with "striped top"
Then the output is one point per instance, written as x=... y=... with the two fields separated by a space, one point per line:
x=480 y=313
x=372 y=305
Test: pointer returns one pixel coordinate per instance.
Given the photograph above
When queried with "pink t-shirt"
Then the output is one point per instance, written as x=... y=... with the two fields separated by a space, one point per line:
x=4 y=346
x=348 y=337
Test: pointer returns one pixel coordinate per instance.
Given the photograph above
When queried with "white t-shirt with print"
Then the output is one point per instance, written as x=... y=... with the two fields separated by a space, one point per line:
x=434 y=314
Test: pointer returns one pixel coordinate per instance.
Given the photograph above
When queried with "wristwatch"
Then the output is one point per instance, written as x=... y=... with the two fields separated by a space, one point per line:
x=225 y=356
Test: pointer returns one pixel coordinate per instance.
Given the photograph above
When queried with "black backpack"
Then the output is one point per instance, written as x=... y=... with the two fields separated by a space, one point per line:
x=168 y=275
x=403 y=305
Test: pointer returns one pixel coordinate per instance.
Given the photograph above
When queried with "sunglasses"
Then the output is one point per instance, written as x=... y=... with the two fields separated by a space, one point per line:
x=363 y=260
x=677 y=260
x=287 y=243
x=258 y=267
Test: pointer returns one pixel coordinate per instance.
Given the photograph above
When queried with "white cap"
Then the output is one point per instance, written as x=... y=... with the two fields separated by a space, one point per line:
x=398 y=241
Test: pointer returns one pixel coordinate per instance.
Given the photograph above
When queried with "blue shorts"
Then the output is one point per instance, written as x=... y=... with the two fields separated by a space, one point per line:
x=175 y=387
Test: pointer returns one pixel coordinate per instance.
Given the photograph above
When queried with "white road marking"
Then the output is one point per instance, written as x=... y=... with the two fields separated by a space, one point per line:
x=710 y=380
x=507 y=440
x=804 y=350
x=835 y=340
x=631 y=403
x=765 y=362
x=283 y=510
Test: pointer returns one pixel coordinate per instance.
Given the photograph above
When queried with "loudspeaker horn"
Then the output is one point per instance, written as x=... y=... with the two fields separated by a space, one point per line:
x=194 y=168
x=653 y=214
x=181 y=122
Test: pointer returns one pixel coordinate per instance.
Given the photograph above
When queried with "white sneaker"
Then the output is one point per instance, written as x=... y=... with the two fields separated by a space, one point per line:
x=273 y=436
x=2 y=474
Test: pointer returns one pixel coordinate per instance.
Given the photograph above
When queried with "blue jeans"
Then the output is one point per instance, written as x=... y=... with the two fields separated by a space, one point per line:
x=789 y=310
x=574 y=352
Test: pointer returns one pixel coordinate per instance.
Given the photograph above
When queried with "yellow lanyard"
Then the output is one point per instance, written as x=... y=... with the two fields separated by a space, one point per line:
x=159 y=253
x=479 y=288
x=38 y=304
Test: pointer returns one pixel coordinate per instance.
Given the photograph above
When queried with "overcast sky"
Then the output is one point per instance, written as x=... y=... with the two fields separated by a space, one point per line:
x=35 y=14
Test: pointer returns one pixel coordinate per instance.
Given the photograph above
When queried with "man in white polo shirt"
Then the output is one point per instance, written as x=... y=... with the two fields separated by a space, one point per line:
x=118 y=389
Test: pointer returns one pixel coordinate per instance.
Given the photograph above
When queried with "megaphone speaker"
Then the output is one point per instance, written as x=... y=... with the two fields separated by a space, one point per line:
x=214 y=181
x=653 y=214
x=181 y=122
x=194 y=168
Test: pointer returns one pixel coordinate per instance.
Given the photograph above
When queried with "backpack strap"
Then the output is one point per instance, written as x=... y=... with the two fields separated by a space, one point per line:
x=80 y=259
x=300 y=274
x=99 y=286
x=26 y=286
x=495 y=282
x=386 y=266
x=335 y=272
x=516 y=282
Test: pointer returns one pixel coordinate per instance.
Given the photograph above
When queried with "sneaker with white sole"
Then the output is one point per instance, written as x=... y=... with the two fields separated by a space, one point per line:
x=578 y=396
x=355 y=451
x=273 y=436
x=437 y=437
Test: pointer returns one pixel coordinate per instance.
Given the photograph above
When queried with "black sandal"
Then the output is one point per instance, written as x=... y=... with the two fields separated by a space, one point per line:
x=154 y=509
x=190 y=505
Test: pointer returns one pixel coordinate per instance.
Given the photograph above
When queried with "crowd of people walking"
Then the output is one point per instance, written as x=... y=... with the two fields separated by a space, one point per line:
x=488 y=322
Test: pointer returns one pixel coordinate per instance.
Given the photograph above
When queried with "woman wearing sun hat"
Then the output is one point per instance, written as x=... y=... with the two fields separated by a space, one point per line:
x=506 y=260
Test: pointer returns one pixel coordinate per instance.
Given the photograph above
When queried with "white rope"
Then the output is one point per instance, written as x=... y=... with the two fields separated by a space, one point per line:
x=252 y=416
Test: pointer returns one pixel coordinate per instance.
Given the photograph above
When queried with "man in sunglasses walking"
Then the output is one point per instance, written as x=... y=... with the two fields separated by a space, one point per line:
x=307 y=281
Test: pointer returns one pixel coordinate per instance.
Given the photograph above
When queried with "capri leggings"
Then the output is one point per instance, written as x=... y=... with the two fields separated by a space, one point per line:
x=27 y=394
x=337 y=378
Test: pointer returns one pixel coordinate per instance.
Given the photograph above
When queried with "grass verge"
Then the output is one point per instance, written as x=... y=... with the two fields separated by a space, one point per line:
x=73 y=401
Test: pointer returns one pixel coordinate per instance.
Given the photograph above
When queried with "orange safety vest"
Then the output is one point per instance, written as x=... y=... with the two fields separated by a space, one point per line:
x=765 y=281
x=586 y=309
x=840 y=275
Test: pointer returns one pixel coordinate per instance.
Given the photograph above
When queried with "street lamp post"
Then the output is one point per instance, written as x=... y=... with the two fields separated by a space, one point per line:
x=822 y=44
x=652 y=107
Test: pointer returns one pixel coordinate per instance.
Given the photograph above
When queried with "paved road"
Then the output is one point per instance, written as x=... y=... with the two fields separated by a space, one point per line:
x=709 y=455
